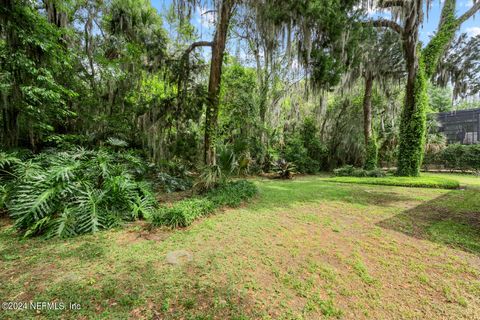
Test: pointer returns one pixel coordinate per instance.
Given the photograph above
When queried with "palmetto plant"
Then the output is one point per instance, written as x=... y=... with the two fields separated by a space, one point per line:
x=214 y=175
x=62 y=194
x=284 y=169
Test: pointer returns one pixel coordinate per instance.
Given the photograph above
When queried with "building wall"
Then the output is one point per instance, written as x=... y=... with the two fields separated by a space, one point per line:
x=460 y=126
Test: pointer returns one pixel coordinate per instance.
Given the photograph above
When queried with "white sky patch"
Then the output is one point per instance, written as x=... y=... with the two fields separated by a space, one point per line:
x=206 y=17
x=466 y=3
x=473 y=31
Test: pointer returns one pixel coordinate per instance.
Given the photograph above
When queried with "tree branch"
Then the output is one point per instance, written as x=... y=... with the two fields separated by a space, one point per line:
x=196 y=45
x=209 y=11
x=384 y=23
x=464 y=17
x=392 y=3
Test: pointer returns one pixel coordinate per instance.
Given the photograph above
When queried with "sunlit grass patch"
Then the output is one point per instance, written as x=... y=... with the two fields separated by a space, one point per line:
x=416 y=182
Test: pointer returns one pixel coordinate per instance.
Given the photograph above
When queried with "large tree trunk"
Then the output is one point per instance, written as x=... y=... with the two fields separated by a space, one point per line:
x=412 y=126
x=10 y=124
x=218 y=51
x=367 y=107
x=421 y=66
x=371 y=149
x=413 y=122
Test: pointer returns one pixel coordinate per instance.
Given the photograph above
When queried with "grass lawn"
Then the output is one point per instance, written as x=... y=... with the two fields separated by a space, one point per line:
x=303 y=249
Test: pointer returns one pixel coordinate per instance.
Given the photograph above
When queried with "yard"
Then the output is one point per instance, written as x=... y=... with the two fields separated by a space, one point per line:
x=303 y=249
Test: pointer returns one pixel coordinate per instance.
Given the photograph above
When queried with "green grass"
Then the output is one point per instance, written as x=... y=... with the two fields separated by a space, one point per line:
x=470 y=180
x=416 y=182
x=456 y=233
x=303 y=249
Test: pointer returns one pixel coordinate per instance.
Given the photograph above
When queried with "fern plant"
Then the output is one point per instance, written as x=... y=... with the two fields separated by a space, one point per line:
x=63 y=194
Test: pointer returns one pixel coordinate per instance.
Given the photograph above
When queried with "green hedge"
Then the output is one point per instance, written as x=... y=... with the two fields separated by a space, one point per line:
x=184 y=212
x=351 y=171
x=415 y=182
x=457 y=157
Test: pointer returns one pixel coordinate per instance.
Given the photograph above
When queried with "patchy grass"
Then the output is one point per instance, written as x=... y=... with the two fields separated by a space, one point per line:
x=304 y=249
x=415 y=182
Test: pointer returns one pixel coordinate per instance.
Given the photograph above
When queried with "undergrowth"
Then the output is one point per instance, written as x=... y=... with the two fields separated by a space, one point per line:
x=183 y=213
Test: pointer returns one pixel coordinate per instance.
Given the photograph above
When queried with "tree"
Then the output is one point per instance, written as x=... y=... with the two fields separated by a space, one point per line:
x=225 y=9
x=381 y=61
x=31 y=56
x=420 y=65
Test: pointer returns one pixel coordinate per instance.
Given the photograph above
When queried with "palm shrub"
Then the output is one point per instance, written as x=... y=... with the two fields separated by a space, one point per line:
x=218 y=174
x=284 y=169
x=63 y=194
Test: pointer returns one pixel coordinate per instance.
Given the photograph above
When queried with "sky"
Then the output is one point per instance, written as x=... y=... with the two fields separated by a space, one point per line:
x=472 y=26
x=204 y=23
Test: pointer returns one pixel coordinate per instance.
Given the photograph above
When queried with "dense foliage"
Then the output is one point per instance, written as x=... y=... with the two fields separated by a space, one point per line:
x=184 y=212
x=351 y=171
x=457 y=157
x=262 y=87
x=66 y=193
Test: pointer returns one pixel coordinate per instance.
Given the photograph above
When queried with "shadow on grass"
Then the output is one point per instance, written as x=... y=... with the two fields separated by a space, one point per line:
x=452 y=219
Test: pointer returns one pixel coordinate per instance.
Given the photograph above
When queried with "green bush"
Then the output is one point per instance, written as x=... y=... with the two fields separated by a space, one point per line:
x=305 y=150
x=376 y=173
x=66 y=193
x=458 y=157
x=473 y=157
x=454 y=157
x=170 y=184
x=233 y=193
x=345 y=171
x=351 y=171
x=296 y=153
x=183 y=213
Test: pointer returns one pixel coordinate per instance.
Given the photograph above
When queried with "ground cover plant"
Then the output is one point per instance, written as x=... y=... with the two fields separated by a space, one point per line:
x=183 y=213
x=66 y=193
x=418 y=182
x=305 y=249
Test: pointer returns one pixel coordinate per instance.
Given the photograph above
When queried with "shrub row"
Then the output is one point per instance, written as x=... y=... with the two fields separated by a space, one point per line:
x=414 y=182
x=183 y=213
x=351 y=171
x=456 y=157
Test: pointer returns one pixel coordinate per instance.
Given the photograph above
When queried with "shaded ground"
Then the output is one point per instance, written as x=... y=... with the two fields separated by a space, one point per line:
x=305 y=249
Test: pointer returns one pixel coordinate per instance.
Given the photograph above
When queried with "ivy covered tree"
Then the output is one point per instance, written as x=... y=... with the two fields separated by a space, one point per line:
x=421 y=64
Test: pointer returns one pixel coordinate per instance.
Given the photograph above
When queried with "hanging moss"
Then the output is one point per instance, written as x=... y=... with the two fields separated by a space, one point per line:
x=413 y=127
x=371 y=153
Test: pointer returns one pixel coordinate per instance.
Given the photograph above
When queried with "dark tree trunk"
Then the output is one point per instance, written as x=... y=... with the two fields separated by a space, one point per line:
x=10 y=127
x=412 y=126
x=218 y=50
x=367 y=107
